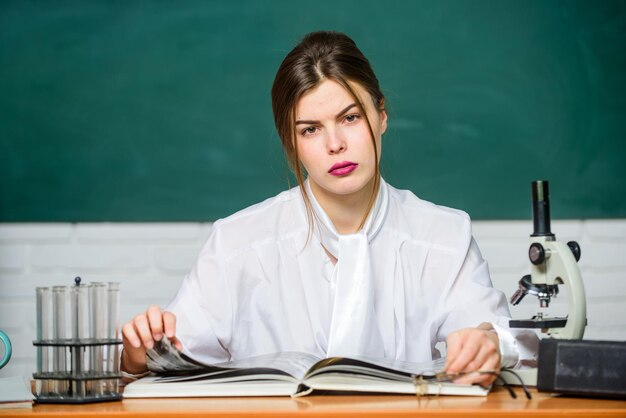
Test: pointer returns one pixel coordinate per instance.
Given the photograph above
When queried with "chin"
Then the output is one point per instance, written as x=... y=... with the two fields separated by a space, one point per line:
x=348 y=188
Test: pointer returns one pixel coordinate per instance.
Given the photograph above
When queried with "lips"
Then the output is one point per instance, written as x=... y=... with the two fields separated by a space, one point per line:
x=342 y=168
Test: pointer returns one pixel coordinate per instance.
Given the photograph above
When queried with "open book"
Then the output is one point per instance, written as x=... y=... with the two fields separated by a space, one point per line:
x=15 y=393
x=288 y=374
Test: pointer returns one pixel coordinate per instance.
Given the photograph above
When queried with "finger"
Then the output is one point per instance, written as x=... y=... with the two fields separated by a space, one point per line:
x=469 y=349
x=475 y=378
x=483 y=375
x=485 y=326
x=169 y=324
x=176 y=343
x=487 y=360
x=155 y=318
x=143 y=330
x=485 y=357
x=492 y=364
x=129 y=335
x=453 y=348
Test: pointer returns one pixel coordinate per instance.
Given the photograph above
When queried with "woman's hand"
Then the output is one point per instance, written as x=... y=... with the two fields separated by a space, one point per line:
x=473 y=349
x=140 y=334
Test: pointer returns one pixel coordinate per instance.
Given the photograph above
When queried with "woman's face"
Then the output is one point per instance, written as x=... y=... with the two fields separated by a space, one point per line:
x=334 y=141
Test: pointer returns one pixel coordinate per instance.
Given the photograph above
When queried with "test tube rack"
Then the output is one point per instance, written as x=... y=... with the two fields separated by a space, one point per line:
x=71 y=386
x=78 y=361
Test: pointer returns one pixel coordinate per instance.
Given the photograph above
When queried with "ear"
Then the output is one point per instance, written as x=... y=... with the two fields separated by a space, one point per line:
x=383 y=121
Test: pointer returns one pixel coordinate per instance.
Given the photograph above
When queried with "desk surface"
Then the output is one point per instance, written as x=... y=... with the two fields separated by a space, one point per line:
x=498 y=403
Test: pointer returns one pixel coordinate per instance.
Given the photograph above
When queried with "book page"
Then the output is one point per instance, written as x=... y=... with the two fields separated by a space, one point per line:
x=386 y=368
x=165 y=359
x=423 y=368
x=293 y=363
x=14 y=393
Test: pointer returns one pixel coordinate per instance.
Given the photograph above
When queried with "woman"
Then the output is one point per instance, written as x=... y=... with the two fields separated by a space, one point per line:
x=343 y=264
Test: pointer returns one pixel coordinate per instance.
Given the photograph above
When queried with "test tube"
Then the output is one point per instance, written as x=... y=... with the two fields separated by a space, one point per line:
x=42 y=334
x=113 y=310
x=97 y=299
x=80 y=328
x=59 y=334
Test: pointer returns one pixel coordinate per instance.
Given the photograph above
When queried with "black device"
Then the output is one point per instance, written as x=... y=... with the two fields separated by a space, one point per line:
x=582 y=368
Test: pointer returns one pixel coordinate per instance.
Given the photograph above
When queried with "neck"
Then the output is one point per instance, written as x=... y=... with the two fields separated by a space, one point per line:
x=347 y=212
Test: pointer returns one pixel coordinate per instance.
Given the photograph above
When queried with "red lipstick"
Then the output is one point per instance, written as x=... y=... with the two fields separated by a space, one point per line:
x=342 y=168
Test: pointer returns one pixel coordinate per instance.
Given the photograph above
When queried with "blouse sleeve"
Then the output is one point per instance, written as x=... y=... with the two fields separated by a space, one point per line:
x=203 y=307
x=471 y=300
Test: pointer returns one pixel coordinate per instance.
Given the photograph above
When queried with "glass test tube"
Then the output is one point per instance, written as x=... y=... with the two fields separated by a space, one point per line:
x=58 y=334
x=113 y=310
x=80 y=332
x=42 y=334
x=97 y=299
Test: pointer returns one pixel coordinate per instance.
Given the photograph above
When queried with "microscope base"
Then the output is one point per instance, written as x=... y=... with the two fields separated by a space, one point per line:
x=582 y=367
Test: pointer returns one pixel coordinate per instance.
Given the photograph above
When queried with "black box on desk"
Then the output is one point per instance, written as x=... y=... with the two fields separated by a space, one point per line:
x=582 y=367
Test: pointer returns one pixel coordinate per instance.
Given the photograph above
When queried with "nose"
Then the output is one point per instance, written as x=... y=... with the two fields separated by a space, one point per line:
x=335 y=143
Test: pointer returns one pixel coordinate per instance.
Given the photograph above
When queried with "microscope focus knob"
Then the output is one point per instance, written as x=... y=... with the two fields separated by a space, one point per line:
x=573 y=245
x=536 y=253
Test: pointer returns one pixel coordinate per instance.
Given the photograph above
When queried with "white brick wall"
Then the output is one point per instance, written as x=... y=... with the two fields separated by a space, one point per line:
x=151 y=259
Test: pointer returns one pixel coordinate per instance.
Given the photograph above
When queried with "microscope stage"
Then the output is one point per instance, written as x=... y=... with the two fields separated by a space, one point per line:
x=543 y=323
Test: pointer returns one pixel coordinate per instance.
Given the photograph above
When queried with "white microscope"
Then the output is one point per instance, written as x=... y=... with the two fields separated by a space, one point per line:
x=553 y=264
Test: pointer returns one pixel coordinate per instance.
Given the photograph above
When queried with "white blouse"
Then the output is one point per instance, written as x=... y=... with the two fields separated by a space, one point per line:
x=263 y=283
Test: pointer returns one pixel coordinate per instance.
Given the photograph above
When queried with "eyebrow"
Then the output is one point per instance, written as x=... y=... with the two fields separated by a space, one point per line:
x=313 y=122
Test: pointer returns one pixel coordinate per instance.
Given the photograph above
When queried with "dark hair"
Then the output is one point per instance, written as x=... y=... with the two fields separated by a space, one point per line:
x=320 y=56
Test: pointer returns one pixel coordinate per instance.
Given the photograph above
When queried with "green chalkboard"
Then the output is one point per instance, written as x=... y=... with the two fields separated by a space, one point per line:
x=160 y=111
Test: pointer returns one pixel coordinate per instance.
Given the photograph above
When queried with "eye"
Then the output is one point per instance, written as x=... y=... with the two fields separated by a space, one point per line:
x=309 y=130
x=351 y=118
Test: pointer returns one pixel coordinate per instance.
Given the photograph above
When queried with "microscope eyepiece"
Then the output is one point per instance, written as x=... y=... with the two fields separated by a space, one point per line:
x=541 y=209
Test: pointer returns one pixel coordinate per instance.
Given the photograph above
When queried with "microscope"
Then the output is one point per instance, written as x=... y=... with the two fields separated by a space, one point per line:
x=553 y=264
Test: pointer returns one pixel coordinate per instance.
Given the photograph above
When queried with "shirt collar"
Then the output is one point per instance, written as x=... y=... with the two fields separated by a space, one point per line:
x=325 y=231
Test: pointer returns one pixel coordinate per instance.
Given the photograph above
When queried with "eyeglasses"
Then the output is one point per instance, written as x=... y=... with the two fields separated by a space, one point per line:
x=451 y=377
